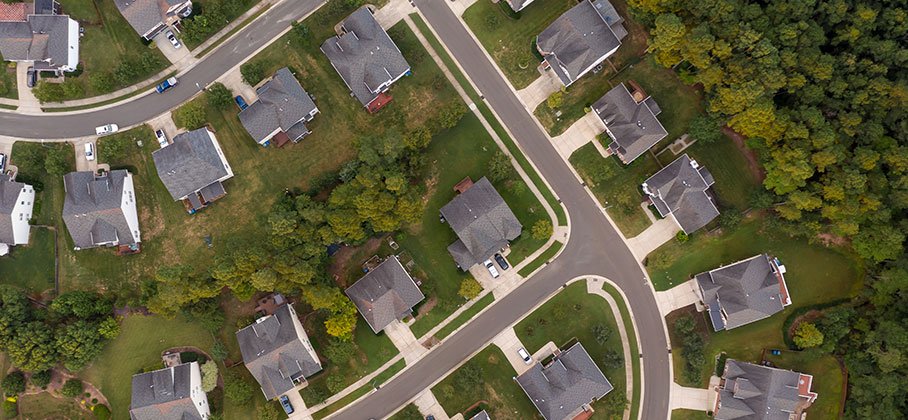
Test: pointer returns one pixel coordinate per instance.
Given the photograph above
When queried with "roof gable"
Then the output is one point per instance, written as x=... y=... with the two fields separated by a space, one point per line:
x=482 y=221
x=385 y=294
x=282 y=104
x=578 y=39
x=92 y=206
x=569 y=382
x=746 y=291
x=757 y=392
x=190 y=164
x=679 y=189
x=164 y=394
x=633 y=124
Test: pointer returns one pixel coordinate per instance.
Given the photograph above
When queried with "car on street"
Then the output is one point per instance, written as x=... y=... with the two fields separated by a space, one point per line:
x=89 y=151
x=240 y=102
x=285 y=402
x=173 y=39
x=522 y=352
x=167 y=84
x=162 y=138
x=106 y=129
x=32 y=77
x=501 y=262
x=491 y=267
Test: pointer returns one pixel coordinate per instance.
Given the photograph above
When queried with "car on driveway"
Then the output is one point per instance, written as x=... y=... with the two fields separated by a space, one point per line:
x=173 y=39
x=167 y=84
x=89 y=151
x=285 y=402
x=162 y=138
x=31 y=77
x=106 y=129
x=240 y=102
x=491 y=267
x=522 y=352
x=501 y=262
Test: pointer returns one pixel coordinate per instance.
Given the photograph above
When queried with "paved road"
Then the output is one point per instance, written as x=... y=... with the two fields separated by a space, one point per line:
x=594 y=248
x=252 y=37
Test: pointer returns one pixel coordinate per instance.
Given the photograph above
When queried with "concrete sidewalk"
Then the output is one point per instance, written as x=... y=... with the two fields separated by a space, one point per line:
x=653 y=237
x=684 y=294
x=538 y=91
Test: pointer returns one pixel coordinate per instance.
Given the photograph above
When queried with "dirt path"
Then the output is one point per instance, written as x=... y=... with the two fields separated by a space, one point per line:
x=753 y=163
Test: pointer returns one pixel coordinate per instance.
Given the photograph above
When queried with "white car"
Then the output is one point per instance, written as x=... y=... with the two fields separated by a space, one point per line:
x=106 y=129
x=89 y=151
x=522 y=352
x=173 y=39
x=491 y=267
x=162 y=138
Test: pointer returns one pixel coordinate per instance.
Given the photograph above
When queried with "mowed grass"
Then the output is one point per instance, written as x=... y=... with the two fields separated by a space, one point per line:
x=683 y=414
x=828 y=380
x=139 y=346
x=45 y=406
x=31 y=266
x=8 y=81
x=500 y=394
x=465 y=316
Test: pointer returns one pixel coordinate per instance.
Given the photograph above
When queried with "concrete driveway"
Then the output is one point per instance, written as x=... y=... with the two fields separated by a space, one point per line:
x=299 y=406
x=174 y=55
x=677 y=297
x=538 y=91
x=509 y=344
x=405 y=341
x=653 y=237
x=233 y=80
x=165 y=122
x=82 y=162
x=27 y=101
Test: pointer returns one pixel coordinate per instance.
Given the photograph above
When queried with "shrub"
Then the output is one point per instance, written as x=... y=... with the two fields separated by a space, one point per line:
x=807 y=335
x=72 y=388
x=340 y=351
x=682 y=237
x=190 y=116
x=500 y=168
x=9 y=409
x=691 y=347
x=236 y=389
x=109 y=328
x=113 y=149
x=14 y=383
x=209 y=376
x=48 y=92
x=335 y=384
x=219 y=96
x=542 y=229
x=612 y=359
x=219 y=351
x=253 y=72
x=469 y=288
x=189 y=357
x=705 y=129
x=555 y=100
x=101 y=81
x=270 y=411
x=491 y=21
x=602 y=333
x=41 y=379
x=101 y=412
x=468 y=377
x=301 y=32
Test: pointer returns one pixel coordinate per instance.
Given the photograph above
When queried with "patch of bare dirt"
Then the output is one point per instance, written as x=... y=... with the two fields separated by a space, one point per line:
x=342 y=260
x=810 y=316
x=426 y=307
x=753 y=164
x=829 y=239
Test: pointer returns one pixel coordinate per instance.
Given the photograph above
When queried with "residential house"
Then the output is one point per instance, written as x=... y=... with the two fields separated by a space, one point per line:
x=281 y=112
x=518 y=5
x=482 y=415
x=16 y=203
x=150 y=17
x=193 y=168
x=581 y=39
x=366 y=58
x=749 y=391
x=483 y=222
x=567 y=386
x=100 y=210
x=277 y=352
x=679 y=190
x=173 y=393
x=385 y=294
x=35 y=33
x=743 y=292
x=630 y=121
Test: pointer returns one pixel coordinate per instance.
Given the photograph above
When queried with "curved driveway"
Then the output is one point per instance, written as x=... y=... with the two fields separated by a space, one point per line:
x=138 y=110
x=594 y=248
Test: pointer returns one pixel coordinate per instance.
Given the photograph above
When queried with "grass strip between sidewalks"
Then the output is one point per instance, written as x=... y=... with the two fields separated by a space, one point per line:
x=637 y=387
x=464 y=317
x=490 y=117
x=136 y=92
x=541 y=259
x=229 y=34
x=363 y=390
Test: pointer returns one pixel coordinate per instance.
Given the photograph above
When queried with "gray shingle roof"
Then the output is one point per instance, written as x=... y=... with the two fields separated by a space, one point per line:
x=274 y=352
x=145 y=15
x=40 y=38
x=365 y=56
x=91 y=208
x=482 y=415
x=745 y=291
x=9 y=196
x=571 y=380
x=634 y=125
x=483 y=222
x=580 y=38
x=518 y=5
x=282 y=104
x=163 y=395
x=757 y=392
x=190 y=164
x=679 y=189
x=385 y=294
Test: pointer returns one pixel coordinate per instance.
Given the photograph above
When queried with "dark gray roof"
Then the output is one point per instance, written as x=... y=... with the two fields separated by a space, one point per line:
x=365 y=56
x=634 y=125
x=190 y=164
x=745 y=291
x=483 y=222
x=274 y=352
x=517 y=5
x=46 y=7
x=571 y=380
x=580 y=38
x=163 y=395
x=679 y=189
x=9 y=196
x=145 y=15
x=757 y=392
x=482 y=415
x=40 y=38
x=282 y=104
x=91 y=208
x=385 y=294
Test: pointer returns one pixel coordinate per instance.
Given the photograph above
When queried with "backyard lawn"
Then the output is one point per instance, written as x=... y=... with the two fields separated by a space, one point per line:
x=46 y=407
x=828 y=380
x=31 y=266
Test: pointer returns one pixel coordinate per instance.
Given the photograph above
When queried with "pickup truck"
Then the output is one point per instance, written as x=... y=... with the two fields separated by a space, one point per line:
x=167 y=84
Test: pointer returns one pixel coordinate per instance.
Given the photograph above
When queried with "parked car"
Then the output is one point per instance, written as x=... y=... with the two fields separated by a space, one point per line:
x=501 y=262
x=240 y=102
x=89 y=151
x=522 y=352
x=106 y=129
x=32 y=77
x=173 y=39
x=2 y=162
x=491 y=267
x=285 y=402
x=162 y=138
x=167 y=84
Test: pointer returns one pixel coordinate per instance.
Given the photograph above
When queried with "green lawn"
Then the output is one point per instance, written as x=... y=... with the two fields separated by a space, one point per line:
x=353 y=396
x=541 y=259
x=634 y=348
x=682 y=414
x=230 y=14
x=45 y=406
x=828 y=380
x=617 y=186
x=410 y=412
x=500 y=394
x=568 y=317
x=8 y=87
x=464 y=317
x=31 y=266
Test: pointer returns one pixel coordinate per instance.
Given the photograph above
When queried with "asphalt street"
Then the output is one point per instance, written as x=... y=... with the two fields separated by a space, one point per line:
x=594 y=248
x=248 y=40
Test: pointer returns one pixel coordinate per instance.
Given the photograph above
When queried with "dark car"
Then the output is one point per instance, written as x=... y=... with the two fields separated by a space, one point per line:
x=240 y=102
x=285 y=402
x=501 y=261
x=167 y=84
x=32 y=78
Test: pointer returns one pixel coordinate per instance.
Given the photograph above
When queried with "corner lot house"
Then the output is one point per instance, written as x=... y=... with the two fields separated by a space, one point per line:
x=483 y=222
x=679 y=190
x=385 y=294
x=581 y=39
x=366 y=58
x=16 y=203
x=150 y=17
x=173 y=393
x=749 y=391
x=277 y=352
x=630 y=121
x=100 y=210
x=35 y=33
x=281 y=112
x=565 y=388
x=193 y=168
x=743 y=292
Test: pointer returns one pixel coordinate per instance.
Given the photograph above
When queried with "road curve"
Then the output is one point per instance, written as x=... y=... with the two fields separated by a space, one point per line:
x=594 y=248
x=261 y=32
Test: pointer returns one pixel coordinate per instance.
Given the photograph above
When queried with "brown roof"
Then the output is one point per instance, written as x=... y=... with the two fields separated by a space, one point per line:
x=13 y=12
